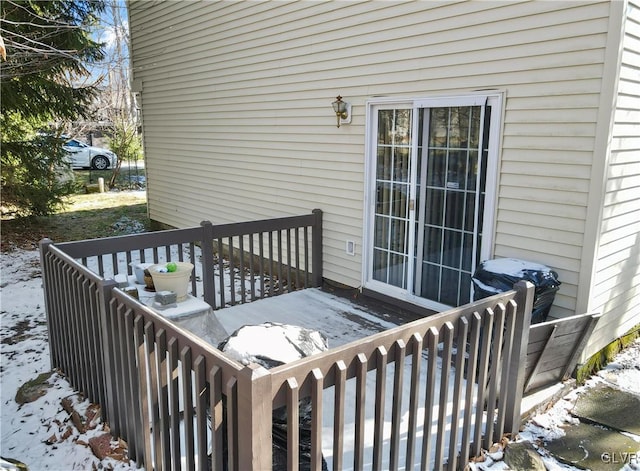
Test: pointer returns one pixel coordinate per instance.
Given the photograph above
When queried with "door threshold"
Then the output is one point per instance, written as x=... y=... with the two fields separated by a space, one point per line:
x=404 y=305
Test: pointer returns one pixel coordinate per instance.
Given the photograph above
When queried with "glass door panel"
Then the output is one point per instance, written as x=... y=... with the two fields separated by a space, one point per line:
x=392 y=208
x=448 y=231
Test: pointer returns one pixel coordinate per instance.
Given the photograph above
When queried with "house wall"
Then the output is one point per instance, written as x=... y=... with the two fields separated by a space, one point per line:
x=236 y=103
x=616 y=283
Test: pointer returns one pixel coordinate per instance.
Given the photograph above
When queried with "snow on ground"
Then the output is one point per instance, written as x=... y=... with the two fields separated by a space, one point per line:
x=39 y=433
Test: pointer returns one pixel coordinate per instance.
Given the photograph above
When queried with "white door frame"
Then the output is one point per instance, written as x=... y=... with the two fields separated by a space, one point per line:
x=495 y=99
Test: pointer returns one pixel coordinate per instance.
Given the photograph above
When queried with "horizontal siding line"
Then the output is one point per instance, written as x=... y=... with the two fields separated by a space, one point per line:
x=274 y=157
x=614 y=235
x=549 y=196
x=543 y=130
x=559 y=93
x=348 y=199
x=560 y=104
x=558 y=208
x=305 y=183
x=624 y=182
x=348 y=171
x=620 y=295
x=344 y=200
x=610 y=278
x=545 y=183
x=548 y=171
x=549 y=156
x=621 y=208
x=551 y=116
x=625 y=156
x=536 y=66
x=576 y=143
x=625 y=143
x=627 y=244
x=551 y=248
x=401 y=83
x=548 y=236
x=618 y=197
x=550 y=222
x=615 y=222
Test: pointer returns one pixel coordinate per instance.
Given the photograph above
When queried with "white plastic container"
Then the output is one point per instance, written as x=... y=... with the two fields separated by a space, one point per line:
x=138 y=271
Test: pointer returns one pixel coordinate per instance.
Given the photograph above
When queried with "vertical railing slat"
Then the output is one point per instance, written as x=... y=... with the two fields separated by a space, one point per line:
x=186 y=365
x=221 y=272
x=432 y=356
x=400 y=352
x=297 y=247
x=293 y=424
x=272 y=276
x=261 y=263
x=231 y=392
x=280 y=261
x=133 y=394
x=289 y=261
x=493 y=379
x=163 y=398
x=443 y=398
x=379 y=406
x=174 y=403
x=361 y=396
x=143 y=386
x=243 y=294
x=461 y=339
x=217 y=418
x=473 y=348
x=232 y=274
x=151 y=395
x=340 y=378
x=201 y=392
x=415 y=345
x=252 y=279
x=316 y=419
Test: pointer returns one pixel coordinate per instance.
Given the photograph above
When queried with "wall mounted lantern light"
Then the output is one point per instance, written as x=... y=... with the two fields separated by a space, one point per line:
x=342 y=110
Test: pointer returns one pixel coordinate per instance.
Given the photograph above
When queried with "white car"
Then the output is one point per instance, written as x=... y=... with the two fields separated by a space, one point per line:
x=82 y=155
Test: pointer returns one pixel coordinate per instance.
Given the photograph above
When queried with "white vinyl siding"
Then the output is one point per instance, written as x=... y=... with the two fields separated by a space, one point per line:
x=238 y=125
x=616 y=290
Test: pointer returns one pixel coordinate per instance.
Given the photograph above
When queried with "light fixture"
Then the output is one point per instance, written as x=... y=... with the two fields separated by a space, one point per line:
x=342 y=110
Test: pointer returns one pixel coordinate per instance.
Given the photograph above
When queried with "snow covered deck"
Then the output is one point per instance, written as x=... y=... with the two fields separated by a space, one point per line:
x=339 y=319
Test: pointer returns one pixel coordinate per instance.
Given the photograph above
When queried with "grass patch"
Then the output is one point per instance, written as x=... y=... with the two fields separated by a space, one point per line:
x=86 y=216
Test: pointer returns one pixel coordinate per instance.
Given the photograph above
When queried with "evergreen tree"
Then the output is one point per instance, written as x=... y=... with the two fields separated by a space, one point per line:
x=48 y=48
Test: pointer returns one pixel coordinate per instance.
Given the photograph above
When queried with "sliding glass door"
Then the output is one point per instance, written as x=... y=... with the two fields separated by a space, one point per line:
x=428 y=217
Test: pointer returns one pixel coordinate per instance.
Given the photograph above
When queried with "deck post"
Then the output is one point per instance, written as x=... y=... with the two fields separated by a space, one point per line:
x=108 y=407
x=254 y=418
x=44 y=249
x=316 y=249
x=524 y=306
x=207 y=264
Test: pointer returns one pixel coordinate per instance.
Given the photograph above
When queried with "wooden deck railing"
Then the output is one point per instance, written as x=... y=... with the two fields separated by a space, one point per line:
x=427 y=393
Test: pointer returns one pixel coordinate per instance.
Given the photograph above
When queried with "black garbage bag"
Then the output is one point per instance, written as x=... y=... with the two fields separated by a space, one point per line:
x=499 y=275
x=270 y=345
